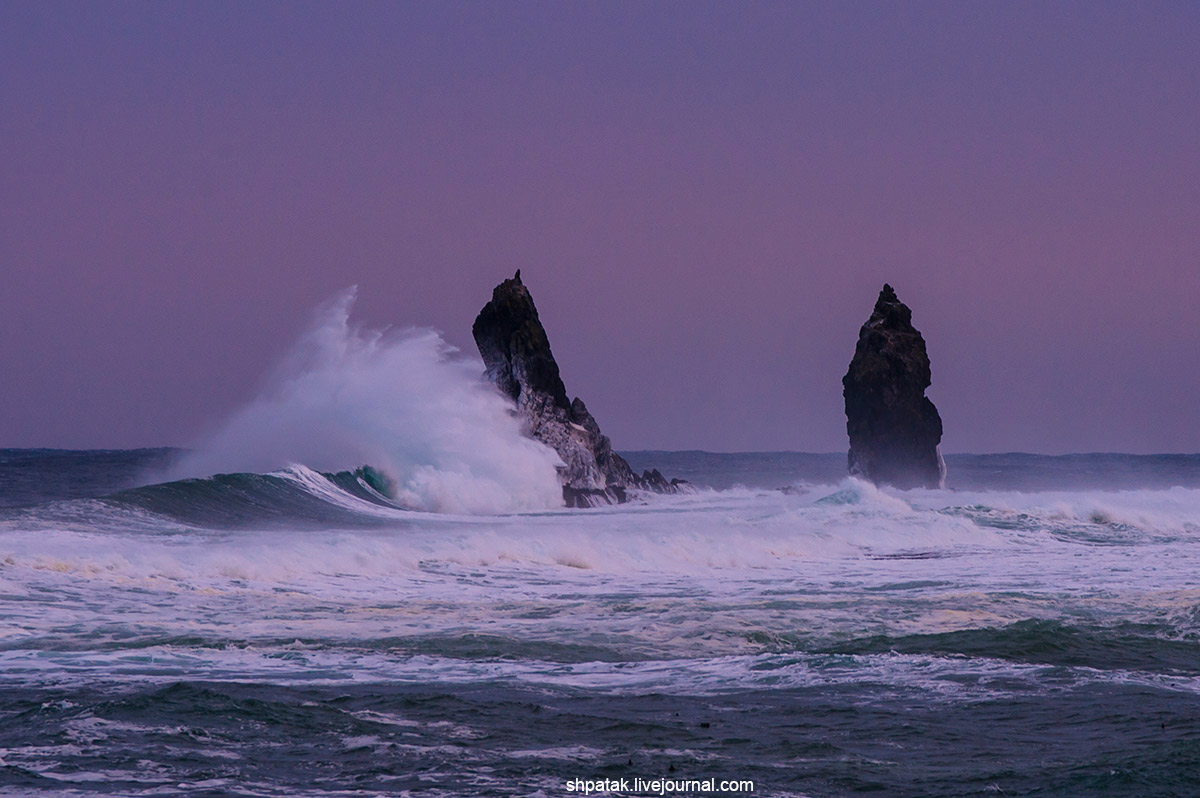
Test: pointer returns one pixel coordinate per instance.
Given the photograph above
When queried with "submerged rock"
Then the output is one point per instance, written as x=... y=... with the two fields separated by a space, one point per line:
x=516 y=353
x=894 y=428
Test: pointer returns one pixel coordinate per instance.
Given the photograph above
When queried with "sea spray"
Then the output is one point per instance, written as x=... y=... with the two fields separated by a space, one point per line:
x=405 y=402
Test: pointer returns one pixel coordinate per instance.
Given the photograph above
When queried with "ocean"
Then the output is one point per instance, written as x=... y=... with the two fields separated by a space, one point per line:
x=1032 y=629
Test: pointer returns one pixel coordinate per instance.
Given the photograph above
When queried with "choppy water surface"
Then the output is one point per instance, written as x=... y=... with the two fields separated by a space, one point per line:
x=1023 y=633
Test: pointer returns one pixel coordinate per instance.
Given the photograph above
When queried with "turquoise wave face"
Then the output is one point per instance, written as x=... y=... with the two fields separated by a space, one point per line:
x=297 y=497
x=293 y=496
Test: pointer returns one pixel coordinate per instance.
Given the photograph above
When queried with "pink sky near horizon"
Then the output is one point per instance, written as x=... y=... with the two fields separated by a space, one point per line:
x=704 y=200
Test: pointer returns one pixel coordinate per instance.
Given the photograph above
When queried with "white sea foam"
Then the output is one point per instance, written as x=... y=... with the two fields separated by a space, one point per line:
x=405 y=402
x=697 y=593
x=704 y=575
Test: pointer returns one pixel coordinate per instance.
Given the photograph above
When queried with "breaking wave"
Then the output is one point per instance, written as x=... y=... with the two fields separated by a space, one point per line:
x=404 y=402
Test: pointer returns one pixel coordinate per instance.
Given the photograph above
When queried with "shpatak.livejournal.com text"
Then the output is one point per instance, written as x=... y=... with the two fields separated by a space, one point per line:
x=638 y=786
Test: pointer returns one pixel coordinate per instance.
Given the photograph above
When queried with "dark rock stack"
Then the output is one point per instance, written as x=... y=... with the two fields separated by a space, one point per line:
x=517 y=355
x=894 y=428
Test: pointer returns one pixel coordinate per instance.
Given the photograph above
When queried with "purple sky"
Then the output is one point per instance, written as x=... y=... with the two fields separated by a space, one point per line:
x=703 y=199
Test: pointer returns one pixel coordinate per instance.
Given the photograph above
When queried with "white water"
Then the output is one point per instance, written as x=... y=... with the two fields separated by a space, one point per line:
x=691 y=590
x=404 y=402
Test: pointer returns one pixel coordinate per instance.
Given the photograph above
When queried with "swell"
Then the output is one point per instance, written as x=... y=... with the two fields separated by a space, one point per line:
x=294 y=495
x=297 y=497
x=1125 y=646
x=201 y=738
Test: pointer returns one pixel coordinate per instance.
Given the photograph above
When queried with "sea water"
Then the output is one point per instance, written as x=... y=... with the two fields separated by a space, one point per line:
x=363 y=582
x=1032 y=629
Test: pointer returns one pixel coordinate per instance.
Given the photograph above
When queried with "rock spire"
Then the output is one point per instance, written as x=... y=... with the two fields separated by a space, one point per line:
x=894 y=428
x=516 y=353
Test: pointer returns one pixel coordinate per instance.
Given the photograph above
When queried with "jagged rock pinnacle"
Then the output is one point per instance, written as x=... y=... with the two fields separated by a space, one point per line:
x=516 y=353
x=514 y=346
x=894 y=428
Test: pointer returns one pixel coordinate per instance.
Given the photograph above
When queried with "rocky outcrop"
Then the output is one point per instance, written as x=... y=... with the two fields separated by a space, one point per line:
x=516 y=353
x=894 y=428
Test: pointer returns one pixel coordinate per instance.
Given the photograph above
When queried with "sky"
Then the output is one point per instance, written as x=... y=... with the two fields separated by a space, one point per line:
x=704 y=200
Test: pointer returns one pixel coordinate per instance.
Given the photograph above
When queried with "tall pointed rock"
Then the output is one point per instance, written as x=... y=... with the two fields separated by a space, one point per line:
x=894 y=428
x=516 y=353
